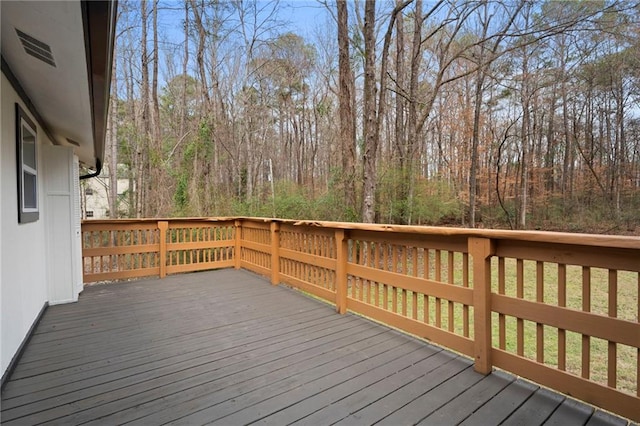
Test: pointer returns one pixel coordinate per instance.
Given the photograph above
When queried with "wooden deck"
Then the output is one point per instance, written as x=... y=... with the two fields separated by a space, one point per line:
x=226 y=347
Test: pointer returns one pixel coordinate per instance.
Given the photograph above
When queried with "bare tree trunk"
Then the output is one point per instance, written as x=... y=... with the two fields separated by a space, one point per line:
x=134 y=143
x=400 y=101
x=374 y=109
x=347 y=111
x=202 y=70
x=156 y=136
x=185 y=65
x=475 y=136
x=143 y=167
x=412 y=120
x=524 y=159
x=369 y=109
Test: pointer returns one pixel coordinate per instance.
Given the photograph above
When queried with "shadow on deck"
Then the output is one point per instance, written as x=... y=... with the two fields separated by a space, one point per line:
x=226 y=347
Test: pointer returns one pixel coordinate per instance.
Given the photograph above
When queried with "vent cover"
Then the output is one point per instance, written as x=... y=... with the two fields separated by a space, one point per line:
x=36 y=48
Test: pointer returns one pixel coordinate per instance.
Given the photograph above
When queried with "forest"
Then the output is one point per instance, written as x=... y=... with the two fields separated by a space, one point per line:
x=513 y=114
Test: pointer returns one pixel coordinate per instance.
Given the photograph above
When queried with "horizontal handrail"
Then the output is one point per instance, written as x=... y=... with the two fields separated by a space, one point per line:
x=560 y=309
x=597 y=240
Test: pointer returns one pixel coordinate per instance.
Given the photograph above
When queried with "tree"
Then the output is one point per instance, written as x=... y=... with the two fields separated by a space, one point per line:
x=346 y=95
x=511 y=113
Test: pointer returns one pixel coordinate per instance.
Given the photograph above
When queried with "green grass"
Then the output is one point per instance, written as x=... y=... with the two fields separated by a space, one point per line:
x=627 y=309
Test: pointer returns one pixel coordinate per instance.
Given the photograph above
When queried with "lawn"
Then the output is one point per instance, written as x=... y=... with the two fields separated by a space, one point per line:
x=593 y=296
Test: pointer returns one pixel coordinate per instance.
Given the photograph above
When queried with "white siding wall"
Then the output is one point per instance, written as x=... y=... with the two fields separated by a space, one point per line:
x=23 y=273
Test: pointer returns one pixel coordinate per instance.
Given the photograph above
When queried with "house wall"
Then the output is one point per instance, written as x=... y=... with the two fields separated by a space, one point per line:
x=23 y=271
x=95 y=201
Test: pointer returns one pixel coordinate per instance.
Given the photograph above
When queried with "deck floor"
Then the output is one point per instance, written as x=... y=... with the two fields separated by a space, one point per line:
x=225 y=347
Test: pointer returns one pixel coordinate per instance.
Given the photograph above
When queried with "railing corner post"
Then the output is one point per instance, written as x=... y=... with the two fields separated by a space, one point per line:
x=341 y=270
x=275 y=253
x=481 y=250
x=163 y=226
x=237 y=256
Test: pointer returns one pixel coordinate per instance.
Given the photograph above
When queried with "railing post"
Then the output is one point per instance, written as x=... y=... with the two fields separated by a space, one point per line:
x=163 y=225
x=237 y=257
x=341 y=270
x=275 y=253
x=481 y=249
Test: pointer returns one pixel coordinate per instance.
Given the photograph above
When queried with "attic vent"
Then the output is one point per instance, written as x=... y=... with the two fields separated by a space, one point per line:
x=36 y=48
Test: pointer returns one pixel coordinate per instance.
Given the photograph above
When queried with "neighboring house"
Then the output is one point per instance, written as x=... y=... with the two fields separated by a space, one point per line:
x=56 y=70
x=94 y=198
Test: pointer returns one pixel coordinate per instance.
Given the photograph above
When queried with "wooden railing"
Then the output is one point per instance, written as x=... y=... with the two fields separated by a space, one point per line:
x=560 y=309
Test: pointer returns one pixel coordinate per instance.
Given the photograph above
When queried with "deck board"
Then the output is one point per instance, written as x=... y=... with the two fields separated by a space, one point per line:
x=536 y=409
x=502 y=405
x=187 y=384
x=461 y=407
x=226 y=347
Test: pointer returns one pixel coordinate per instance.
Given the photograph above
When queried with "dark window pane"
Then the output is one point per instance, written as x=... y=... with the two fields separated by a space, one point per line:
x=30 y=193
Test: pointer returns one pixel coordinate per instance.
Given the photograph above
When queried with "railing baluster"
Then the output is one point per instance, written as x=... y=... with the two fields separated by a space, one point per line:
x=394 y=299
x=586 y=307
x=426 y=302
x=404 y=302
x=275 y=253
x=425 y=309
x=404 y=261
x=438 y=306
x=520 y=295
x=540 y=299
x=394 y=258
x=612 y=352
x=414 y=272
x=450 y=280
x=562 y=302
x=163 y=226
x=237 y=261
x=502 y=328
x=342 y=257
x=427 y=264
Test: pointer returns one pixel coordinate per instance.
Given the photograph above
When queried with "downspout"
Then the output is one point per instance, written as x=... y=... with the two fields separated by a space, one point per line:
x=94 y=174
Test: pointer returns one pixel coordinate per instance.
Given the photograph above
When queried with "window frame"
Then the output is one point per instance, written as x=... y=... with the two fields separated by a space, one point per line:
x=26 y=214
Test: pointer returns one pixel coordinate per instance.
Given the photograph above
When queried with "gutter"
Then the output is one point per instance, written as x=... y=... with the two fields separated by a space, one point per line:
x=99 y=22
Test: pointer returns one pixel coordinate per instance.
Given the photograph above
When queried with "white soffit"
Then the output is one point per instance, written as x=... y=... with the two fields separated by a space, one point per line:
x=60 y=93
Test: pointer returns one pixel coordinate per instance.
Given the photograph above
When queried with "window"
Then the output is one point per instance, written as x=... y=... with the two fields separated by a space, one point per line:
x=88 y=191
x=27 y=156
x=89 y=213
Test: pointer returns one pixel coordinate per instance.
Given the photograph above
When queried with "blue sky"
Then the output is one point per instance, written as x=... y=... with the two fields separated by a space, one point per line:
x=304 y=15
